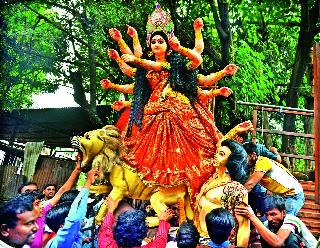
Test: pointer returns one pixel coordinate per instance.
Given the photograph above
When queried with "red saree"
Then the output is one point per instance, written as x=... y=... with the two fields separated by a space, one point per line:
x=177 y=140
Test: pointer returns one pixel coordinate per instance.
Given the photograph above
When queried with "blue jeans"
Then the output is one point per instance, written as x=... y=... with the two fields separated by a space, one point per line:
x=294 y=203
x=257 y=198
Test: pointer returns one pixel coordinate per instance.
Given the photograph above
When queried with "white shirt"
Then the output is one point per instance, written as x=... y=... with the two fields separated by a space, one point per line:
x=290 y=222
x=4 y=245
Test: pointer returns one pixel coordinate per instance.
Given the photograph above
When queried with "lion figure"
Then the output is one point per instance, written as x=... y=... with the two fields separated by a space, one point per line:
x=102 y=148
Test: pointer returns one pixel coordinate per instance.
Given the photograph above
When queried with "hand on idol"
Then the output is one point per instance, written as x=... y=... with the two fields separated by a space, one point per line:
x=230 y=69
x=166 y=215
x=111 y=204
x=115 y=34
x=78 y=163
x=244 y=210
x=92 y=175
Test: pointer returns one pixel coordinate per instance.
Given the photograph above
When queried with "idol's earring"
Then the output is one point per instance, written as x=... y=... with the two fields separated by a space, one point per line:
x=169 y=52
x=150 y=53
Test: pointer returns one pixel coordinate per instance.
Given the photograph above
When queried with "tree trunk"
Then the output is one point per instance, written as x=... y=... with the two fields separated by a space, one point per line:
x=79 y=96
x=221 y=19
x=308 y=30
x=91 y=107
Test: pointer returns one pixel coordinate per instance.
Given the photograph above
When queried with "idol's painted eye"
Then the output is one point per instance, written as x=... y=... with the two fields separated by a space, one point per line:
x=160 y=41
x=153 y=41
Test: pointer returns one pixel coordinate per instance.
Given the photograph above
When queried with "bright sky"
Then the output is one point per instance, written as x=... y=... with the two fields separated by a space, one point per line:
x=61 y=98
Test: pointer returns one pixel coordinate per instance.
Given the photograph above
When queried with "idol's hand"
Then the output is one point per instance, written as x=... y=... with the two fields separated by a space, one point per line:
x=225 y=91
x=113 y=54
x=132 y=32
x=115 y=34
x=245 y=126
x=118 y=105
x=128 y=58
x=198 y=24
x=106 y=84
x=230 y=69
x=174 y=43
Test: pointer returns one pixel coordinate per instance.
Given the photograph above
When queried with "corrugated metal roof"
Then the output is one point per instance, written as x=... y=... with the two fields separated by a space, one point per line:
x=54 y=126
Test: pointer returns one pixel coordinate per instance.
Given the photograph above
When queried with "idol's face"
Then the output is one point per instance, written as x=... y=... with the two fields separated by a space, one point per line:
x=222 y=156
x=158 y=45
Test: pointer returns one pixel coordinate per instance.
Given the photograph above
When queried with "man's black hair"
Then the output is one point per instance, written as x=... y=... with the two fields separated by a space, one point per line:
x=30 y=196
x=187 y=236
x=57 y=215
x=274 y=202
x=26 y=184
x=250 y=147
x=219 y=223
x=50 y=184
x=10 y=209
x=131 y=228
x=69 y=195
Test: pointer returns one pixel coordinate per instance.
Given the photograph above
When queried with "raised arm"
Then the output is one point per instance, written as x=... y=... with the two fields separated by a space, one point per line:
x=145 y=63
x=212 y=78
x=116 y=35
x=198 y=43
x=137 y=49
x=273 y=239
x=123 y=88
x=195 y=57
x=68 y=184
x=124 y=67
x=105 y=235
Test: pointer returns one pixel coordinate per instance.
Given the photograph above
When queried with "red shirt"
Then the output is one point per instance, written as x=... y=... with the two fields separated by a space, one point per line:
x=105 y=235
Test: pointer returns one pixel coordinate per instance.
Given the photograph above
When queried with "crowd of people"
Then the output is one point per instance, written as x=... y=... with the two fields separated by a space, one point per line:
x=58 y=218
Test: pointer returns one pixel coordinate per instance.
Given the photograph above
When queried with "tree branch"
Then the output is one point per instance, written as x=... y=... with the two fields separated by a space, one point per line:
x=217 y=21
x=274 y=23
x=63 y=30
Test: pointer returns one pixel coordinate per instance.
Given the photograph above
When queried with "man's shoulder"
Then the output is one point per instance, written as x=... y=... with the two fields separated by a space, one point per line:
x=291 y=222
x=263 y=164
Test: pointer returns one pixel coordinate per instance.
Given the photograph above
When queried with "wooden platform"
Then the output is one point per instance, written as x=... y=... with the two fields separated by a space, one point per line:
x=310 y=213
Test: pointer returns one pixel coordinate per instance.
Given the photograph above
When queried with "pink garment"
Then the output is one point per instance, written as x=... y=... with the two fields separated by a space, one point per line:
x=37 y=242
x=105 y=235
